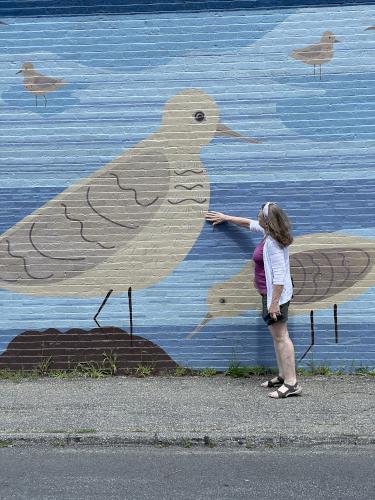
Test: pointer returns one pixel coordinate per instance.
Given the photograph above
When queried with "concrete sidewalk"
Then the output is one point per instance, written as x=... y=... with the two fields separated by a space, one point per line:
x=187 y=410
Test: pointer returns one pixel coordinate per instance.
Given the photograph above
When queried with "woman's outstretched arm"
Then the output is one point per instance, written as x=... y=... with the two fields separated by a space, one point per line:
x=218 y=218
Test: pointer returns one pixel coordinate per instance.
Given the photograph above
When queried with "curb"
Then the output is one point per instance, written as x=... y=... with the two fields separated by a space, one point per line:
x=184 y=441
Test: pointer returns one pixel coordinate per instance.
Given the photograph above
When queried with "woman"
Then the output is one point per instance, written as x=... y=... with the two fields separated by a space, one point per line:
x=273 y=281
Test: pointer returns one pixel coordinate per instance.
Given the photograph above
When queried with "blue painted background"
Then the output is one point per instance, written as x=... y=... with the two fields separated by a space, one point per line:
x=316 y=159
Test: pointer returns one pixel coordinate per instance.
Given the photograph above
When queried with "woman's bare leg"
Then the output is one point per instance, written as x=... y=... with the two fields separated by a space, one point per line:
x=279 y=364
x=284 y=351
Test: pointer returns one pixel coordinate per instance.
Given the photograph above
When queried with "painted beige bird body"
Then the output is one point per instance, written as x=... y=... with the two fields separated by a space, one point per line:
x=130 y=223
x=319 y=53
x=327 y=269
x=38 y=84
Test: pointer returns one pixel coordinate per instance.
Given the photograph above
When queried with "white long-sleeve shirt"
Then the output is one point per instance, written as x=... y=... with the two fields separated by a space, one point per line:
x=276 y=266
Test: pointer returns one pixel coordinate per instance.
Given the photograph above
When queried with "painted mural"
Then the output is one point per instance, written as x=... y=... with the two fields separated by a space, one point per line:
x=117 y=138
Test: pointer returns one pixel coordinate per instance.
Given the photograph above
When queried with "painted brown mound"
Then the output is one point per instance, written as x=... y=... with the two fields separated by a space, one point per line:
x=66 y=350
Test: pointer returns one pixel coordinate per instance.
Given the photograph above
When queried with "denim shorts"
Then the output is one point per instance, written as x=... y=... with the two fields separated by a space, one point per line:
x=283 y=317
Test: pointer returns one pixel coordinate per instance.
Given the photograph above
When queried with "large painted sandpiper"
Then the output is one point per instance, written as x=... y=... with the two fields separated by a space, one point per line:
x=130 y=223
x=327 y=269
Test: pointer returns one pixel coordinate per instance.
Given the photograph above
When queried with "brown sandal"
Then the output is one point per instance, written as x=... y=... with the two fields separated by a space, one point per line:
x=293 y=390
x=278 y=383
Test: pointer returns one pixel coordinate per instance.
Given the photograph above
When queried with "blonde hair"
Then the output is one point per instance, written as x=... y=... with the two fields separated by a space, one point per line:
x=278 y=225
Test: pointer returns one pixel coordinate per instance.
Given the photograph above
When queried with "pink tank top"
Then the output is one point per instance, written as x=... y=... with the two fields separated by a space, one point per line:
x=259 y=274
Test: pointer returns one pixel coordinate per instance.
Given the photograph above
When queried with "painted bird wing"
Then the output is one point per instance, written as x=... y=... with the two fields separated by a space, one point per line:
x=88 y=222
x=322 y=273
x=45 y=83
x=310 y=52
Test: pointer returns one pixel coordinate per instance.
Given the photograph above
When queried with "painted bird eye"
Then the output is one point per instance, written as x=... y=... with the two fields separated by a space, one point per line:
x=222 y=300
x=199 y=116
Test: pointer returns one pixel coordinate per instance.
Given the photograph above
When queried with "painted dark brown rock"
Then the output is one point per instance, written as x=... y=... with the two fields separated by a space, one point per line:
x=66 y=350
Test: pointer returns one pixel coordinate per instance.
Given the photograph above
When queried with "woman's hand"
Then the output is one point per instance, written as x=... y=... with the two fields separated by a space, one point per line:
x=274 y=311
x=216 y=217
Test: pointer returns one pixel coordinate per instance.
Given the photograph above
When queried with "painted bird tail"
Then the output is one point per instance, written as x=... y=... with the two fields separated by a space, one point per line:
x=296 y=55
x=60 y=83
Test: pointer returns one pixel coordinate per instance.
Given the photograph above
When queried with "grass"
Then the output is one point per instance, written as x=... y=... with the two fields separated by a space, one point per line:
x=109 y=368
x=209 y=442
x=43 y=367
x=92 y=369
x=83 y=431
x=313 y=369
x=208 y=372
x=143 y=371
x=235 y=369
x=58 y=443
x=15 y=376
x=110 y=360
x=181 y=371
x=64 y=374
x=55 y=431
x=186 y=443
x=5 y=443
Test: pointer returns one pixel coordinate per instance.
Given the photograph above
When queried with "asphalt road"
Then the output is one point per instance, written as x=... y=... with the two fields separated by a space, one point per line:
x=194 y=473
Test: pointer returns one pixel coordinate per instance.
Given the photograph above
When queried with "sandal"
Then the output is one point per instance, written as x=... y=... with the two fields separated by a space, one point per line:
x=279 y=381
x=292 y=390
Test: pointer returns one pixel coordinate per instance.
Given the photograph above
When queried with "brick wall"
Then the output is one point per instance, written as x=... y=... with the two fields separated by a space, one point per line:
x=109 y=159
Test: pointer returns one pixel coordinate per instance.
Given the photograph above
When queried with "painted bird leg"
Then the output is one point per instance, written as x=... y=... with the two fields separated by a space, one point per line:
x=320 y=72
x=336 y=324
x=312 y=334
x=36 y=101
x=314 y=69
x=45 y=101
x=101 y=307
x=130 y=314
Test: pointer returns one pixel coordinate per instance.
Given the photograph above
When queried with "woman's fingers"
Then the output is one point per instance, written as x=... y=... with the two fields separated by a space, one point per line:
x=210 y=215
x=274 y=313
x=215 y=217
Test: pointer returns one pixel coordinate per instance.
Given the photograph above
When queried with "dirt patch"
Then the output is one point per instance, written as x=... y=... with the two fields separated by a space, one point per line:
x=66 y=350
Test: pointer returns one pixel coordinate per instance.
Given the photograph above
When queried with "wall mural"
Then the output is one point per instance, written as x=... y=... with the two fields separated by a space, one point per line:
x=95 y=229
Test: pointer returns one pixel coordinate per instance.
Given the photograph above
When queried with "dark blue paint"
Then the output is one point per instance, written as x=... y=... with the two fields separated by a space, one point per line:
x=314 y=206
x=15 y=204
x=79 y=7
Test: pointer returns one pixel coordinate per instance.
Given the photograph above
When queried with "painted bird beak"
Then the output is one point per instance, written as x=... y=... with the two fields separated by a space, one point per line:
x=337 y=41
x=201 y=325
x=223 y=130
x=20 y=71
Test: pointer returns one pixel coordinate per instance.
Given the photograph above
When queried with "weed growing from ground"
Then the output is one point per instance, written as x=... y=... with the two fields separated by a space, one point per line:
x=143 y=371
x=180 y=371
x=110 y=359
x=208 y=372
